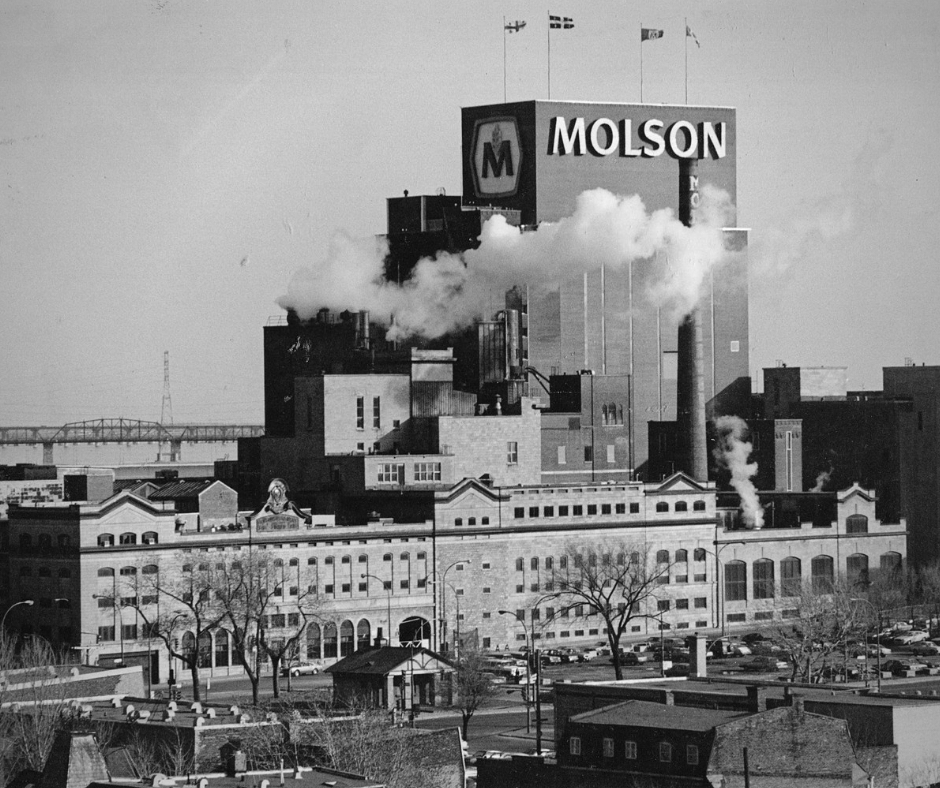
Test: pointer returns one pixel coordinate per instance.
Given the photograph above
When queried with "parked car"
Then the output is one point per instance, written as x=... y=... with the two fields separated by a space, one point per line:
x=764 y=665
x=925 y=649
x=633 y=658
x=301 y=669
x=588 y=654
x=677 y=670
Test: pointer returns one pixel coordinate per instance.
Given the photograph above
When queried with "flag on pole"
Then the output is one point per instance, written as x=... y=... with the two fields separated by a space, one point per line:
x=690 y=34
x=560 y=22
x=650 y=34
x=515 y=27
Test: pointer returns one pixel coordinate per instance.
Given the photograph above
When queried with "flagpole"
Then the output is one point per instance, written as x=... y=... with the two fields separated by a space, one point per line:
x=641 y=62
x=504 y=60
x=549 y=34
x=686 y=60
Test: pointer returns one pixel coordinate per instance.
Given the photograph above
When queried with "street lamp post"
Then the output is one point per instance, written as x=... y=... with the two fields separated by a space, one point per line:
x=3 y=621
x=877 y=613
x=719 y=579
x=528 y=658
x=388 y=591
x=118 y=606
x=440 y=580
x=456 y=621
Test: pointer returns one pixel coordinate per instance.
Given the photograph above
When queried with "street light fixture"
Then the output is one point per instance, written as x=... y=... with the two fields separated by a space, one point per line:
x=388 y=591
x=877 y=613
x=119 y=607
x=441 y=579
x=3 y=621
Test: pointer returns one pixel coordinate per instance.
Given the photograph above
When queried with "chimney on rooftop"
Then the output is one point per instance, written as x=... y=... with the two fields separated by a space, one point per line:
x=756 y=699
x=380 y=640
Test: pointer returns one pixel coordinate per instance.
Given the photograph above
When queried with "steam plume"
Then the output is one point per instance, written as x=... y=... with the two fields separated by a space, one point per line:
x=449 y=291
x=822 y=479
x=732 y=452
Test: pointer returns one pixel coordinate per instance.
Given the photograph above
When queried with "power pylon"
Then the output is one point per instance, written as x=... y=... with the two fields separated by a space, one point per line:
x=166 y=409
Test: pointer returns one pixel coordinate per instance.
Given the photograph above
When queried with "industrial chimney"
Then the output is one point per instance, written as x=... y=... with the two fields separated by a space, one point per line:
x=690 y=385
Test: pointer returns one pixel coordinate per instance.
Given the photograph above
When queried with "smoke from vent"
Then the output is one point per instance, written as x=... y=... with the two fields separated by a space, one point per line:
x=822 y=479
x=450 y=291
x=732 y=452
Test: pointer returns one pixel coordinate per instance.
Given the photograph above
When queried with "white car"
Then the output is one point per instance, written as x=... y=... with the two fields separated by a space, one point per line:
x=303 y=669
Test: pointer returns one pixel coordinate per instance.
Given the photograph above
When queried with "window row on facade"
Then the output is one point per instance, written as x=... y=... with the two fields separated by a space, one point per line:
x=128 y=538
x=665 y=752
x=765 y=584
x=592 y=509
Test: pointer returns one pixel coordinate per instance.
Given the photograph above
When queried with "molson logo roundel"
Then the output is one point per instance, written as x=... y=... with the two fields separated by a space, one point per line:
x=496 y=157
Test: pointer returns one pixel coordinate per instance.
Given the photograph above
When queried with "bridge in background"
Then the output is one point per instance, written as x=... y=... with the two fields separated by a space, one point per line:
x=126 y=431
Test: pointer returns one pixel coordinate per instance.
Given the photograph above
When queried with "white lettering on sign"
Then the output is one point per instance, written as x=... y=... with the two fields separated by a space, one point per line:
x=605 y=137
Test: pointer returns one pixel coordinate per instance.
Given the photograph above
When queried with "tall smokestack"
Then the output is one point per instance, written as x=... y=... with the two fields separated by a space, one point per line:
x=690 y=385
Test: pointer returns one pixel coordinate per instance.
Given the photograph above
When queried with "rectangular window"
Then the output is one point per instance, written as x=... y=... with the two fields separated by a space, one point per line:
x=608 y=747
x=629 y=750
x=562 y=511
x=427 y=471
x=589 y=454
x=346 y=588
x=512 y=452
x=548 y=511
x=377 y=412
x=388 y=473
x=328 y=589
x=691 y=755
x=665 y=752
x=562 y=455
x=620 y=508
x=106 y=634
x=487 y=589
x=611 y=454
x=701 y=602
x=605 y=508
x=518 y=512
x=129 y=631
x=574 y=745
x=309 y=412
x=592 y=508
x=663 y=605
x=360 y=413
x=486 y=642
x=634 y=508
x=682 y=604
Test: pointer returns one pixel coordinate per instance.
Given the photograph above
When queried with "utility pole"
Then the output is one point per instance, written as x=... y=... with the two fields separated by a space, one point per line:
x=166 y=408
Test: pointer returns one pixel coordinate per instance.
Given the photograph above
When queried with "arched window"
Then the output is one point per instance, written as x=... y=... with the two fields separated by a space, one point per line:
x=150 y=537
x=363 y=559
x=278 y=563
x=699 y=554
x=346 y=638
x=294 y=562
x=822 y=574
x=698 y=506
x=404 y=557
x=856 y=524
x=387 y=557
x=662 y=556
x=45 y=541
x=458 y=521
x=520 y=564
x=188 y=646
x=422 y=556
x=682 y=506
x=311 y=562
x=534 y=564
x=604 y=412
x=856 y=570
x=363 y=635
x=205 y=650
x=763 y=579
x=105 y=540
x=26 y=541
x=313 y=641
x=329 y=640
x=128 y=538
x=106 y=572
x=662 y=506
x=682 y=556
x=128 y=571
x=150 y=569
x=64 y=540
x=346 y=559
x=791 y=579
x=735 y=581
x=221 y=648
x=891 y=563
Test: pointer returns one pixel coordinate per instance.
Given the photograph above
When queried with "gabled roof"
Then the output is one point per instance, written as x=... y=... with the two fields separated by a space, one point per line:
x=678 y=482
x=856 y=490
x=181 y=488
x=382 y=660
x=467 y=485
x=647 y=714
x=73 y=762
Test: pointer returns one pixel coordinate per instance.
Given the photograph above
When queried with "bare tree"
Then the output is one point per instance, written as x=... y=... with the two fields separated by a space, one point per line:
x=179 y=607
x=266 y=605
x=32 y=701
x=474 y=687
x=827 y=617
x=617 y=581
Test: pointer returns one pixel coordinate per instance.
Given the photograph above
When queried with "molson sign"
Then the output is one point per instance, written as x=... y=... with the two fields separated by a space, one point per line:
x=497 y=157
x=605 y=137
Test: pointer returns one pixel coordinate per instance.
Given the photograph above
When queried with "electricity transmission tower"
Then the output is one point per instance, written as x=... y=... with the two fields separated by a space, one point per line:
x=166 y=409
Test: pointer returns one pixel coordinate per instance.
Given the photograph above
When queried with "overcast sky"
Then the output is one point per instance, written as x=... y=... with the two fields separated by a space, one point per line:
x=166 y=166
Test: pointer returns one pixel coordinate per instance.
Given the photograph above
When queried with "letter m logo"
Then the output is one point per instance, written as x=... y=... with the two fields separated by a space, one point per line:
x=496 y=157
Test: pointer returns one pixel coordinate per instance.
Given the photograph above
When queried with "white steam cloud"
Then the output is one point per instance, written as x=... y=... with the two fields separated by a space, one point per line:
x=732 y=452
x=822 y=479
x=450 y=291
